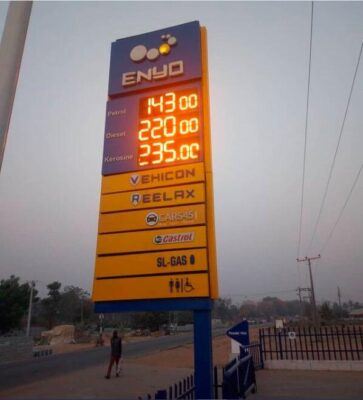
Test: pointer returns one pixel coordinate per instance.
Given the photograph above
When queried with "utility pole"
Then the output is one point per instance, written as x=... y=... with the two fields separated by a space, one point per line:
x=313 y=302
x=301 y=305
x=83 y=295
x=300 y=290
x=32 y=284
x=11 y=53
x=339 y=297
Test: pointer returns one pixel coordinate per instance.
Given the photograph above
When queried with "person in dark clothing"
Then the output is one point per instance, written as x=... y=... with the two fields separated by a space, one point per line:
x=116 y=353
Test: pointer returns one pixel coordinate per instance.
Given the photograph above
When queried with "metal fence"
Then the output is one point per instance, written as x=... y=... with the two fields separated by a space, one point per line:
x=236 y=378
x=239 y=378
x=184 y=389
x=256 y=352
x=324 y=343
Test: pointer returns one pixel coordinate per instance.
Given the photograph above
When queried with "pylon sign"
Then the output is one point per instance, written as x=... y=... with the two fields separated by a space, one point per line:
x=156 y=235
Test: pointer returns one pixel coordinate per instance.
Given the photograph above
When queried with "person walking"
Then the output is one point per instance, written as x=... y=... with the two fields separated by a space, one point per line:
x=116 y=353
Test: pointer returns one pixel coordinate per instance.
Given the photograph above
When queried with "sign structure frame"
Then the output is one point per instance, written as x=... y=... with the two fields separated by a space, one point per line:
x=107 y=269
x=120 y=239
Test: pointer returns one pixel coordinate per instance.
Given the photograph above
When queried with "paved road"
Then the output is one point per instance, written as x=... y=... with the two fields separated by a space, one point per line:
x=40 y=368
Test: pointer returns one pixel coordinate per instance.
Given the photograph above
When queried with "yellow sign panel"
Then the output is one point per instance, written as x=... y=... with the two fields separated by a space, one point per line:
x=179 y=175
x=152 y=263
x=174 y=195
x=150 y=219
x=153 y=287
x=165 y=239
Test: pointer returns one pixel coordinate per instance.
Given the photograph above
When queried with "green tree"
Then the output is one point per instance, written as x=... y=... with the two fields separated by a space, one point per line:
x=14 y=302
x=339 y=312
x=248 y=310
x=150 y=320
x=75 y=306
x=50 y=304
x=224 y=310
x=271 y=307
x=183 y=317
x=326 y=312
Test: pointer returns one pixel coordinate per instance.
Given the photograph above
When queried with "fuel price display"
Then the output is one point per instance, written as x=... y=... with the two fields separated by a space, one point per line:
x=169 y=129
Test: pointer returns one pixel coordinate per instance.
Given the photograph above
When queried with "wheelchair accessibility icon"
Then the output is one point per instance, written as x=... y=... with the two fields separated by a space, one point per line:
x=180 y=285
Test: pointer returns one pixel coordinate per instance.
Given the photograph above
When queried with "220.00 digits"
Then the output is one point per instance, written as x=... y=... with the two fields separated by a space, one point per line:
x=167 y=127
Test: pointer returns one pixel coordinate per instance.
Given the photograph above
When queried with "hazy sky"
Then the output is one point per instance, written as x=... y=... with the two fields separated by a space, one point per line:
x=258 y=60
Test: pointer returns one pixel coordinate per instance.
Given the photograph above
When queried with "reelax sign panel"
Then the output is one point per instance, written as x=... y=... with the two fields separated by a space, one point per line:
x=156 y=224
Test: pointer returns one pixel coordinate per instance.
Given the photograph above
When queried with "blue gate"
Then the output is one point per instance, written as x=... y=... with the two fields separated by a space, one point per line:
x=236 y=380
x=239 y=378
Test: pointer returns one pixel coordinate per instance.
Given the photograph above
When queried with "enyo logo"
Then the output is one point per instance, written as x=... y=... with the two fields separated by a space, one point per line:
x=158 y=72
x=140 y=52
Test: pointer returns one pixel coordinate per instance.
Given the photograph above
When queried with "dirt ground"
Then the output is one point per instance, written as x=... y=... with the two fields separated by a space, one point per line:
x=183 y=356
x=69 y=347
x=179 y=357
x=150 y=373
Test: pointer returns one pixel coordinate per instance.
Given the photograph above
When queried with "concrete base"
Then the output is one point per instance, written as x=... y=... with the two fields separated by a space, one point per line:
x=317 y=365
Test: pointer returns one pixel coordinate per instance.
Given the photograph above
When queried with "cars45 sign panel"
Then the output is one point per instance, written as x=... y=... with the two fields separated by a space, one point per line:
x=156 y=236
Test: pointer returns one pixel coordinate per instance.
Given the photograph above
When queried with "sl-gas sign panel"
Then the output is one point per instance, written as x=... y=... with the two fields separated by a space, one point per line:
x=167 y=56
x=156 y=263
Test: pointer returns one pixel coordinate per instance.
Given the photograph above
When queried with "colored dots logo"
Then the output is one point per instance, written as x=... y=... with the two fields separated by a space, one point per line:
x=140 y=52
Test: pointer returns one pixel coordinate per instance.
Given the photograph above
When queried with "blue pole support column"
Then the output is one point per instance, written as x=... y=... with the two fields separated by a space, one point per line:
x=203 y=358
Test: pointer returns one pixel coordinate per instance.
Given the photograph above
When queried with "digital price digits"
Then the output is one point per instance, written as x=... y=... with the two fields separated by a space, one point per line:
x=170 y=102
x=169 y=128
x=157 y=128
x=168 y=152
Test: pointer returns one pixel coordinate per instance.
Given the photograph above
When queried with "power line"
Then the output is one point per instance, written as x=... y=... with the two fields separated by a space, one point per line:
x=306 y=132
x=343 y=208
x=336 y=152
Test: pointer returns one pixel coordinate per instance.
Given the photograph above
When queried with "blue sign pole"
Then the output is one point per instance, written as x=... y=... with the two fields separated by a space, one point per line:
x=202 y=315
x=203 y=358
